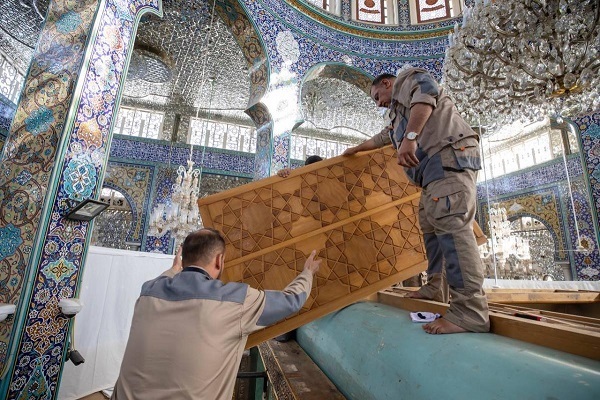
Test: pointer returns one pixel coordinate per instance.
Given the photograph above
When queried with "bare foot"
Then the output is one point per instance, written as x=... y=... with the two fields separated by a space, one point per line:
x=441 y=326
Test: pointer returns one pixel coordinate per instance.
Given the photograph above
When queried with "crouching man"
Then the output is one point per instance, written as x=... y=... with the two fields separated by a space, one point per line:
x=189 y=329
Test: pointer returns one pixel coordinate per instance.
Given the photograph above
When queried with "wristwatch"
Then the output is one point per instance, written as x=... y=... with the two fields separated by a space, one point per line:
x=411 y=135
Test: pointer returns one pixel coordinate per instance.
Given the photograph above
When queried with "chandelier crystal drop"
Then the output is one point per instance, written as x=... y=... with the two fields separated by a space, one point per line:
x=525 y=59
x=181 y=216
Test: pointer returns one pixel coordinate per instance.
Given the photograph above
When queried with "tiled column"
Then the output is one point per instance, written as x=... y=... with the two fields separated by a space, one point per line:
x=264 y=137
x=56 y=151
x=281 y=151
x=589 y=127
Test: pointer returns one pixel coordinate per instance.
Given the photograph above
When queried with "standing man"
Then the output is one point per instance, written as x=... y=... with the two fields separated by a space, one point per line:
x=440 y=153
x=189 y=329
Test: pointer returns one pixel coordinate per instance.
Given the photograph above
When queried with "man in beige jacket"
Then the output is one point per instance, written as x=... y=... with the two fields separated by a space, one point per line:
x=189 y=329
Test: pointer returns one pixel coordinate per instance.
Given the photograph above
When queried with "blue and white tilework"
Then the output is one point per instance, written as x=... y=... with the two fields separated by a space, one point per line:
x=213 y=160
x=7 y=111
x=589 y=126
x=75 y=151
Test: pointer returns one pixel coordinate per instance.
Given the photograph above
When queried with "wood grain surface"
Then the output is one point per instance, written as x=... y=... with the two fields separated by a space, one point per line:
x=359 y=213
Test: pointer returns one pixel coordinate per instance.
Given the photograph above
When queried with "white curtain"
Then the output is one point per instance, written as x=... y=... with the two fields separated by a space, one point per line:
x=112 y=280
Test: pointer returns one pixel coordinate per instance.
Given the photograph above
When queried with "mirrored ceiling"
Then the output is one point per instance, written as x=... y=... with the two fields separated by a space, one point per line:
x=189 y=62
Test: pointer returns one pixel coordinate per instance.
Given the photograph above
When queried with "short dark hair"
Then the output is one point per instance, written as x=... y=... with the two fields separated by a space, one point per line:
x=313 y=159
x=381 y=77
x=201 y=246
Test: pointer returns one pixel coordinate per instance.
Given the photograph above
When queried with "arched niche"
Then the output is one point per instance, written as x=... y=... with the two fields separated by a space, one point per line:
x=197 y=61
x=537 y=170
x=113 y=227
x=335 y=104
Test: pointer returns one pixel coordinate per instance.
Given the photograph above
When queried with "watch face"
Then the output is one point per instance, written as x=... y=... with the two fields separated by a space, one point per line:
x=411 y=135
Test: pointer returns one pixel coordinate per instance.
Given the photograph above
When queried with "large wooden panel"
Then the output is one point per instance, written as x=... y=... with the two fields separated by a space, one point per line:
x=359 y=212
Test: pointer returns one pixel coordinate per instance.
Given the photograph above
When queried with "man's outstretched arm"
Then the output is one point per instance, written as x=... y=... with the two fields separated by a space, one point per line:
x=264 y=308
x=376 y=142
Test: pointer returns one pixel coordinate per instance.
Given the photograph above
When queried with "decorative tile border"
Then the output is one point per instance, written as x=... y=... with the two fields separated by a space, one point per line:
x=29 y=157
x=403 y=27
x=219 y=161
x=162 y=188
x=281 y=152
x=403 y=31
x=318 y=43
x=264 y=136
x=589 y=127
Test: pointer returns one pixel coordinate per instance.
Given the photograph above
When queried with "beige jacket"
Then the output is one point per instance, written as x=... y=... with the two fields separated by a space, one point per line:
x=189 y=331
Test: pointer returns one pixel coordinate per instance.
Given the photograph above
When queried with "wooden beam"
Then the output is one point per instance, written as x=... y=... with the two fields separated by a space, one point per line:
x=537 y=296
x=551 y=314
x=543 y=297
x=569 y=339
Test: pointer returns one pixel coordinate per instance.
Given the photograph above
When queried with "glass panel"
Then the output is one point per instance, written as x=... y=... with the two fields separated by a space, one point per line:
x=534 y=204
x=217 y=136
x=311 y=147
x=113 y=225
x=370 y=11
x=125 y=119
x=319 y=3
x=154 y=126
x=251 y=148
x=297 y=147
x=246 y=140
x=303 y=147
x=11 y=80
x=432 y=10
x=233 y=137
x=222 y=136
x=141 y=123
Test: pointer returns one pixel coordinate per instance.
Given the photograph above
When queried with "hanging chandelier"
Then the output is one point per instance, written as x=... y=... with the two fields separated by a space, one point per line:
x=525 y=59
x=180 y=216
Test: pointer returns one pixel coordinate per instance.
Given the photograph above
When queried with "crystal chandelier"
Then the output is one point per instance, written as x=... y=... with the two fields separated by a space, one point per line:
x=504 y=253
x=525 y=59
x=181 y=216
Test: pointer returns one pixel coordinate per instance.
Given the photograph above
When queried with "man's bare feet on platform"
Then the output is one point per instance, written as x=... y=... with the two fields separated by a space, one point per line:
x=441 y=326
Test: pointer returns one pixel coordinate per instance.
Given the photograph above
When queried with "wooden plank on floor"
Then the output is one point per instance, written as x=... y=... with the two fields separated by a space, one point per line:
x=559 y=337
x=594 y=322
x=533 y=296
x=293 y=373
x=550 y=297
